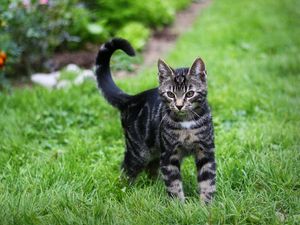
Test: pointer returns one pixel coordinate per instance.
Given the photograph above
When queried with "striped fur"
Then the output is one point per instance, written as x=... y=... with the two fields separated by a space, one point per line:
x=165 y=124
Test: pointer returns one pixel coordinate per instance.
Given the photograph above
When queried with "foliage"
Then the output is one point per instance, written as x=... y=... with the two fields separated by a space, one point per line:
x=60 y=151
x=86 y=27
x=33 y=30
x=156 y=13
x=135 y=33
x=178 y=4
x=152 y=13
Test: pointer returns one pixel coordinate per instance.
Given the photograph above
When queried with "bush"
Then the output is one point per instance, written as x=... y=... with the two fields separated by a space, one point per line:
x=31 y=31
x=136 y=33
x=86 y=27
x=178 y=4
x=150 y=13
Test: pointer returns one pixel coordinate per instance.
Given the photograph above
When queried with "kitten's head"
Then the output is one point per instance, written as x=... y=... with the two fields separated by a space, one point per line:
x=182 y=89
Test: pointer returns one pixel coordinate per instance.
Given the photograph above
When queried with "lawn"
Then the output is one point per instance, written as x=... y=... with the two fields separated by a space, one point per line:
x=60 y=151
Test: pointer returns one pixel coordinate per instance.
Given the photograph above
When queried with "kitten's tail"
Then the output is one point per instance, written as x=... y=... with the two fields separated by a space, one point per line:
x=114 y=95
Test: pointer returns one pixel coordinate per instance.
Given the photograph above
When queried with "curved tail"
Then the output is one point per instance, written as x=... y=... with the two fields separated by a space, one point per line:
x=114 y=95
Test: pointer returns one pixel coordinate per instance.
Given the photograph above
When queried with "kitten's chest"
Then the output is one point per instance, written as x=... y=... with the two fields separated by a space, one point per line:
x=187 y=134
x=186 y=137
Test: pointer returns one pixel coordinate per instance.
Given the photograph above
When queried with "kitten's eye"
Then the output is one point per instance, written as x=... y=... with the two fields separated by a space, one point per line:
x=190 y=94
x=170 y=94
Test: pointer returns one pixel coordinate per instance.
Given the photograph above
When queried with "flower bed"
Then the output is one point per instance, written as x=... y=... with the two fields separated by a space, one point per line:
x=31 y=31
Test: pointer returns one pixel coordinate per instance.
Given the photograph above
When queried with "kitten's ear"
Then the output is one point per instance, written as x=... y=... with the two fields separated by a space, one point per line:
x=164 y=70
x=198 y=69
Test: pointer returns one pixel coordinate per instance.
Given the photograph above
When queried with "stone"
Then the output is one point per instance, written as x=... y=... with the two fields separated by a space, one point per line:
x=86 y=74
x=45 y=80
x=73 y=68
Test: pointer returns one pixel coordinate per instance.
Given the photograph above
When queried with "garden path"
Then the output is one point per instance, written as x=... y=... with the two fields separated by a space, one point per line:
x=161 y=42
x=157 y=46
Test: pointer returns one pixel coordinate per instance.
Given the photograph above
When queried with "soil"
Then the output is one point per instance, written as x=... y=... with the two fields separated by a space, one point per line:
x=83 y=58
x=161 y=42
x=158 y=45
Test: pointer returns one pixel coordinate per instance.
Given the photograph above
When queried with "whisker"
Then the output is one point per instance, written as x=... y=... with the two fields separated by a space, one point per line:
x=162 y=119
x=196 y=114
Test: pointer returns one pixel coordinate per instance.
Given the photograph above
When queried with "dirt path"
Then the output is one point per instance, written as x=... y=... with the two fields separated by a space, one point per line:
x=162 y=42
x=159 y=44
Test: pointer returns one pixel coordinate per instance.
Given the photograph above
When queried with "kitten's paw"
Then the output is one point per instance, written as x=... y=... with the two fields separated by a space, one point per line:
x=125 y=178
x=180 y=196
x=206 y=197
x=182 y=199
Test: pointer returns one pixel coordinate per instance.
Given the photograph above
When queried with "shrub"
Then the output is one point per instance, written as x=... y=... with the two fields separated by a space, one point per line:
x=86 y=27
x=178 y=4
x=150 y=13
x=136 y=33
x=32 y=30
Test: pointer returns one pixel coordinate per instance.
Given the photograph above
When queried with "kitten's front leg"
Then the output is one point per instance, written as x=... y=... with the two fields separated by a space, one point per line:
x=170 y=169
x=206 y=174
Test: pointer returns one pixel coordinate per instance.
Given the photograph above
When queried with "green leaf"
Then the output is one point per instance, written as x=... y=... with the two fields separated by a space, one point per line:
x=95 y=28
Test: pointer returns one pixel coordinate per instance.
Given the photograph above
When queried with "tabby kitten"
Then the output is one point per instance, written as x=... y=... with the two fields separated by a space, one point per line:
x=164 y=124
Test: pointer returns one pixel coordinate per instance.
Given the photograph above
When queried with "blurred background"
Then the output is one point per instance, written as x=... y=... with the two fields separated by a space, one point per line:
x=61 y=147
x=46 y=35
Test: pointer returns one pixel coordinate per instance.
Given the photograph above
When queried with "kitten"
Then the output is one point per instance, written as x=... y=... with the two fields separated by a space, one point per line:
x=165 y=124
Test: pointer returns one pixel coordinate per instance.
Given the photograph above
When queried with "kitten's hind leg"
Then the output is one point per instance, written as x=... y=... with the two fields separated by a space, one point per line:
x=134 y=162
x=152 y=168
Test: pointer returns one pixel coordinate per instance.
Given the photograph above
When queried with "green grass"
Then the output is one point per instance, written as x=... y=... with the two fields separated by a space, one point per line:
x=60 y=151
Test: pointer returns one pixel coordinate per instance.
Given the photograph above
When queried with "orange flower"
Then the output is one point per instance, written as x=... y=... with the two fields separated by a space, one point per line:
x=1 y=63
x=3 y=55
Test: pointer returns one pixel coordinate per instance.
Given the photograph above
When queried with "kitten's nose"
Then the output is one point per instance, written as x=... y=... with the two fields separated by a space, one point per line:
x=179 y=107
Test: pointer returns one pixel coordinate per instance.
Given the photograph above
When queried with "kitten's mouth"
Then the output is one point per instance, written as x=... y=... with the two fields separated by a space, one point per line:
x=181 y=112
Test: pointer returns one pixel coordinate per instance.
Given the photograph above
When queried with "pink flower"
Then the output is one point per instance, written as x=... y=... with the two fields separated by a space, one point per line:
x=26 y=3
x=43 y=2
